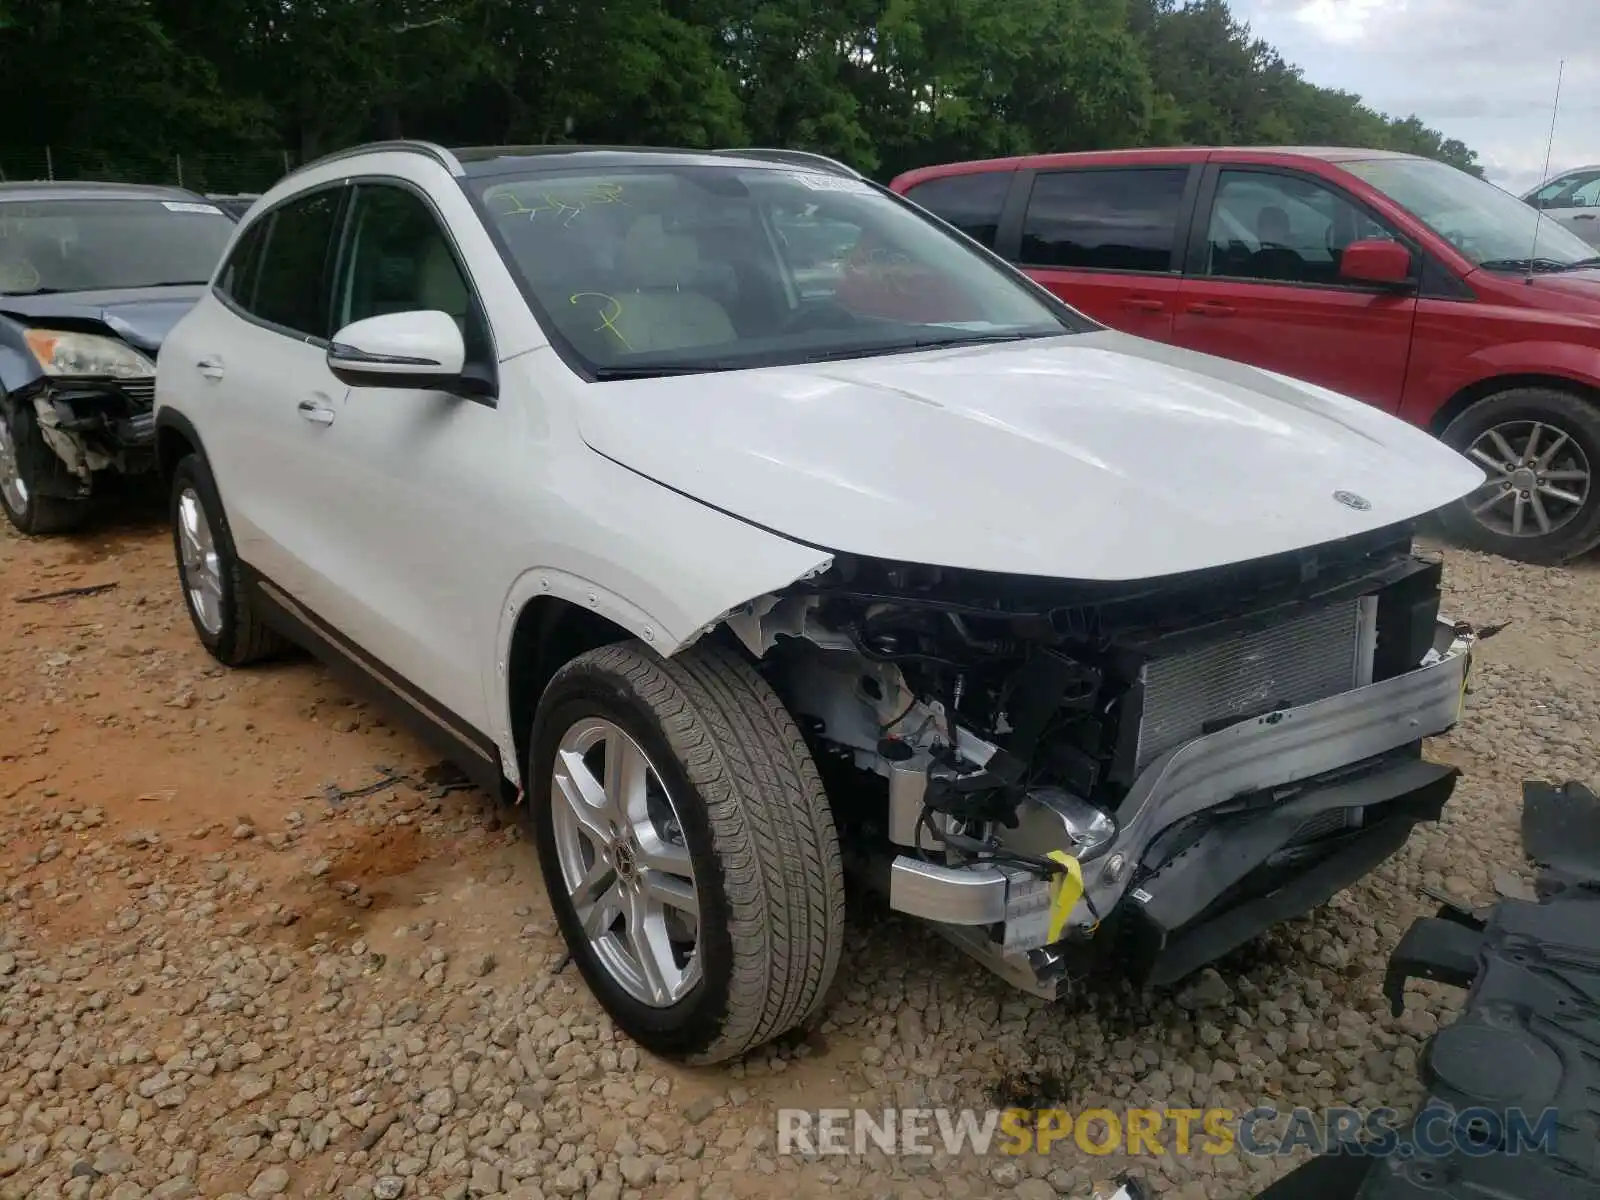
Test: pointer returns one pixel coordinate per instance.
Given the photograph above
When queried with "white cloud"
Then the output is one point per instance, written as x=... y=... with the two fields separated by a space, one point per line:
x=1483 y=71
x=1339 y=21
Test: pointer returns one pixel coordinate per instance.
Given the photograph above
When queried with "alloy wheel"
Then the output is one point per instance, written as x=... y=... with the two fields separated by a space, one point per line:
x=201 y=566
x=11 y=482
x=1539 y=478
x=624 y=863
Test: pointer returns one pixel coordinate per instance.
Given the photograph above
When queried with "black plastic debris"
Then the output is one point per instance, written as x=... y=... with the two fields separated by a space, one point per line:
x=1561 y=831
x=388 y=778
x=1512 y=1107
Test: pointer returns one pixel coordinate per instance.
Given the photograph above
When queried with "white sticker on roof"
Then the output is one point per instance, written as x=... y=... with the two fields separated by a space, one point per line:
x=187 y=207
x=818 y=182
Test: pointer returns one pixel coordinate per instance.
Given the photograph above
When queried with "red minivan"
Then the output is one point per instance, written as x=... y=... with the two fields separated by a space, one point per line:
x=1399 y=280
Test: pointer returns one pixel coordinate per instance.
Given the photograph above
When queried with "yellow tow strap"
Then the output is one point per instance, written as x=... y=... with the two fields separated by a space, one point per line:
x=1066 y=889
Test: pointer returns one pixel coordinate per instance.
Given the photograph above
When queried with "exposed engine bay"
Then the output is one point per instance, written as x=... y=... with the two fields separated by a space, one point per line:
x=1050 y=769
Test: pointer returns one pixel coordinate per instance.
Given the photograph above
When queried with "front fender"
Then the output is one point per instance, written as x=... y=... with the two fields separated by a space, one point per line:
x=18 y=367
x=649 y=560
x=1569 y=360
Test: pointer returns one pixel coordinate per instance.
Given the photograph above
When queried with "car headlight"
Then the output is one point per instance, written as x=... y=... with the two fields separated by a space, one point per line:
x=62 y=353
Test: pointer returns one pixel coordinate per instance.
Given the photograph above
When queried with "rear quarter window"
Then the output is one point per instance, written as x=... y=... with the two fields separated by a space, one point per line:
x=237 y=279
x=972 y=203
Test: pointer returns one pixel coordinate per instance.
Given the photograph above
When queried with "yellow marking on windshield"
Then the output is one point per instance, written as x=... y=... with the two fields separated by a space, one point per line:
x=573 y=207
x=19 y=275
x=607 y=319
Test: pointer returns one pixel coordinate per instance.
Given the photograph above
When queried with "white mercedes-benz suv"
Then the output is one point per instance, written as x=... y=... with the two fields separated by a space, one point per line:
x=753 y=530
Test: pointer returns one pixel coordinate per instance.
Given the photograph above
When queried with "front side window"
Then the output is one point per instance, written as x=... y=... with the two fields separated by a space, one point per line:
x=972 y=203
x=1491 y=227
x=694 y=268
x=93 y=245
x=1282 y=229
x=292 y=278
x=1106 y=220
x=397 y=259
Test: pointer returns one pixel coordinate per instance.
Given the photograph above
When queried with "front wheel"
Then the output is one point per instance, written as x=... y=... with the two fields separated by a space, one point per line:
x=1541 y=449
x=687 y=847
x=25 y=465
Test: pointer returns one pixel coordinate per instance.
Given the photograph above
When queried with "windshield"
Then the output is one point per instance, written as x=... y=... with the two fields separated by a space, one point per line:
x=88 y=245
x=649 y=270
x=1491 y=227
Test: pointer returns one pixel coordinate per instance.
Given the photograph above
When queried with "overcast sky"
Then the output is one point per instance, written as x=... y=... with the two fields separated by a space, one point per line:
x=1483 y=71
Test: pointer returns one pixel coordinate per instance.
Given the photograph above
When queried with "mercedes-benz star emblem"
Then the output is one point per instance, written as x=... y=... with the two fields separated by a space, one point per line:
x=1351 y=500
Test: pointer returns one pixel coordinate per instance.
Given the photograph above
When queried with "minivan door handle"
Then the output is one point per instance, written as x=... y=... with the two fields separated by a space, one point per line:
x=1211 y=308
x=1143 y=304
x=211 y=368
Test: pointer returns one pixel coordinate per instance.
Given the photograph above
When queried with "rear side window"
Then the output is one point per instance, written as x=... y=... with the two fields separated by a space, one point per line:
x=237 y=279
x=972 y=203
x=292 y=282
x=1116 y=220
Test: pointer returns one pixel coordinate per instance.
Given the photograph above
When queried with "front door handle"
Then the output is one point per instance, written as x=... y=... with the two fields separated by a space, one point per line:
x=1583 y=217
x=211 y=368
x=319 y=414
x=1143 y=304
x=1211 y=308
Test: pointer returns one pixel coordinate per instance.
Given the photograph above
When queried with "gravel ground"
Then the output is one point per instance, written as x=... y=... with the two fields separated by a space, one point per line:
x=217 y=981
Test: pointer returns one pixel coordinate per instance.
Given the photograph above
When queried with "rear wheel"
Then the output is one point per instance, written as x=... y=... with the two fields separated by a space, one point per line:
x=1541 y=449
x=25 y=464
x=687 y=847
x=219 y=605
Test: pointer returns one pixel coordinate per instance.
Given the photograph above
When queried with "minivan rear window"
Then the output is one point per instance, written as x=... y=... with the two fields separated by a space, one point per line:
x=1108 y=220
x=972 y=203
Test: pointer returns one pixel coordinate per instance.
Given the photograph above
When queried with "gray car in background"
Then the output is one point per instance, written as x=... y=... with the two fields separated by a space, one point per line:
x=1573 y=199
x=92 y=276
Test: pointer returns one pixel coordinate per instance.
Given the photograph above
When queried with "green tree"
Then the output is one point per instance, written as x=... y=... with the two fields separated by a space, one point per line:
x=121 y=87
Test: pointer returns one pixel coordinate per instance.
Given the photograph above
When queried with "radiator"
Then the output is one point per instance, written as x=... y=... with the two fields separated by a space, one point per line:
x=1310 y=657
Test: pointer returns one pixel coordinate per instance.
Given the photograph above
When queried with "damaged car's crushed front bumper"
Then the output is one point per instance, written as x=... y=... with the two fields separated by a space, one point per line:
x=1222 y=837
x=92 y=426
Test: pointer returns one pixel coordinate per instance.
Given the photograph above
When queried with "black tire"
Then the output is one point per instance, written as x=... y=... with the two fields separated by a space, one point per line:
x=1515 y=409
x=760 y=836
x=242 y=636
x=32 y=513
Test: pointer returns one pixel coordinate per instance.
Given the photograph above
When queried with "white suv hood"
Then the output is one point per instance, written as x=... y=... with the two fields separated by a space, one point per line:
x=1096 y=456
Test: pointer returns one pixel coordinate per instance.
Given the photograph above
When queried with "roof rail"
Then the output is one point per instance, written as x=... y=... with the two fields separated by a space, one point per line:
x=407 y=145
x=801 y=158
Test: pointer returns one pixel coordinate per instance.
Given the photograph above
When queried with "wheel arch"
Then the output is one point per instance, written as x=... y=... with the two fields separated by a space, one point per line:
x=1493 y=384
x=549 y=631
x=176 y=436
x=551 y=616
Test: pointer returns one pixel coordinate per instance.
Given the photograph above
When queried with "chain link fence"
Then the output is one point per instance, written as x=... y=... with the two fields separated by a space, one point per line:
x=201 y=172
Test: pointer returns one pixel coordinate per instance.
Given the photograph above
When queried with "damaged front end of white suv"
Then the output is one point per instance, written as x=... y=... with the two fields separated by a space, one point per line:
x=1057 y=773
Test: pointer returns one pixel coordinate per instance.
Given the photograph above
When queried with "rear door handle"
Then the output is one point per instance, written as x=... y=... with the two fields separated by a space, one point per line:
x=319 y=414
x=1583 y=217
x=211 y=368
x=1211 y=308
x=1143 y=304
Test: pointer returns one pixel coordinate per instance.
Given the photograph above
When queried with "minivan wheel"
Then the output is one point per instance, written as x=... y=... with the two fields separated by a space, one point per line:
x=219 y=604
x=23 y=460
x=1541 y=448
x=687 y=847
